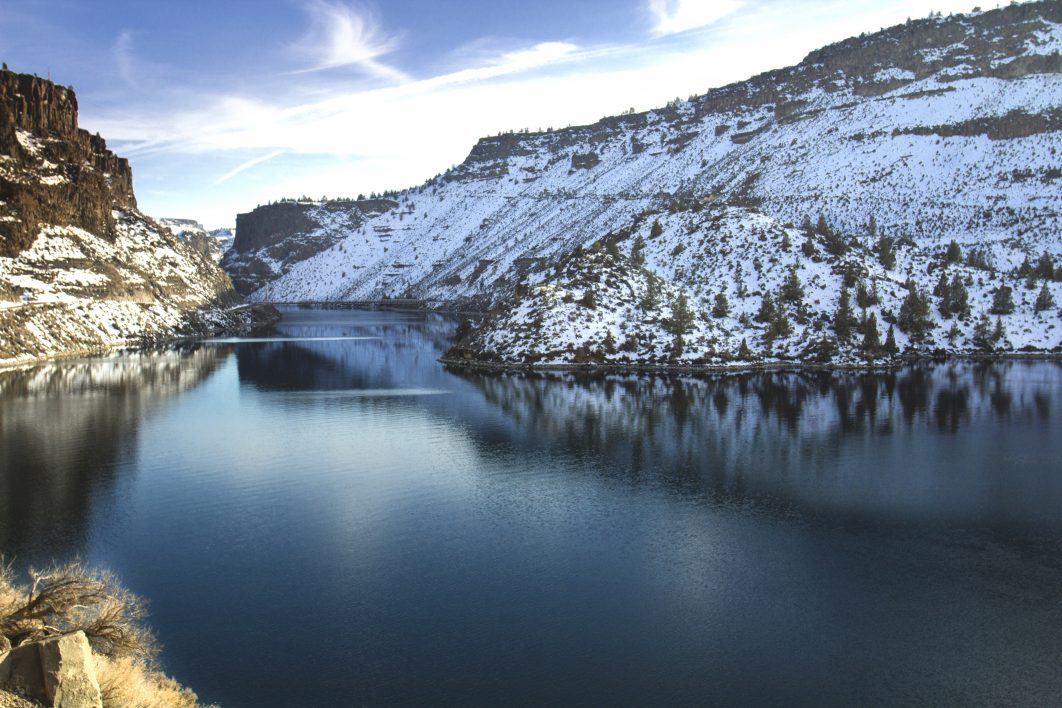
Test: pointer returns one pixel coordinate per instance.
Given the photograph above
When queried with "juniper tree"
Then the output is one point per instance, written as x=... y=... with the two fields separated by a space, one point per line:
x=871 y=339
x=1044 y=301
x=638 y=252
x=767 y=308
x=792 y=290
x=722 y=307
x=886 y=253
x=744 y=353
x=651 y=300
x=914 y=316
x=982 y=332
x=681 y=316
x=609 y=343
x=959 y=297
x=1000 y=332
x=890 y=341
x=1045 y=267
x=843 y=319
x=1003 y=300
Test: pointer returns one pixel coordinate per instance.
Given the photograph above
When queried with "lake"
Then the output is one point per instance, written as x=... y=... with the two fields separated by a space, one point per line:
x=327 y=516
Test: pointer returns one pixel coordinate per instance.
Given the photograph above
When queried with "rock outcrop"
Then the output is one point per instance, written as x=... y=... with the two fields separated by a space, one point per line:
x=81 y=268
x=77 y=180
x=59 y=671
x=272 y=238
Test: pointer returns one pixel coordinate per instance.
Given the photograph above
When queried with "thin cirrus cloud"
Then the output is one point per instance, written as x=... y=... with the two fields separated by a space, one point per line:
x=343 y=35
x=123 y=57
x=246 y=166
x=676 y=16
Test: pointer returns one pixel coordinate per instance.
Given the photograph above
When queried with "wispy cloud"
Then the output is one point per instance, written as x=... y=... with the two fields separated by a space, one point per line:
x=343 y=35
x=246 y=166
x=675 y=16
x=123 y=57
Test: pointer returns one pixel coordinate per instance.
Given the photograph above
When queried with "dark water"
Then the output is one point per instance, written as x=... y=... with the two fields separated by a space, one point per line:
x=343 y=522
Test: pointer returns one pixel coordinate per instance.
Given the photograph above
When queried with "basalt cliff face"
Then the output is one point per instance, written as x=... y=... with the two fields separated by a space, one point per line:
x=81 y=269
x=942 y=129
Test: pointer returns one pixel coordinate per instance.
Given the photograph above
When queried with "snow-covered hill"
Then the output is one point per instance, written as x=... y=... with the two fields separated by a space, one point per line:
x=939 y=130
x=81 y=269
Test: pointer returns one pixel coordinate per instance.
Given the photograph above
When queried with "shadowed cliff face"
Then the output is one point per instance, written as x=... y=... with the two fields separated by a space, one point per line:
x=51 y=171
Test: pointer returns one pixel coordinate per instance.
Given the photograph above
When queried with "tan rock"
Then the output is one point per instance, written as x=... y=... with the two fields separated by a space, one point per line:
x=60 y=672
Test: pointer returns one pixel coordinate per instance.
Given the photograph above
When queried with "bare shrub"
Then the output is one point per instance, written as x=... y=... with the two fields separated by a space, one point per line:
x=63 y=599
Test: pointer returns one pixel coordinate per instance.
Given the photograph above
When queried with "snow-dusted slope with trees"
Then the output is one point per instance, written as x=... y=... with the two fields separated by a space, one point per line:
x=939 y=130
x=81 y=269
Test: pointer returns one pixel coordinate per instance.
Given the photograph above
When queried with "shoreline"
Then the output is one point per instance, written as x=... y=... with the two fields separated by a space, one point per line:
x=262 y=319
x=742 y=367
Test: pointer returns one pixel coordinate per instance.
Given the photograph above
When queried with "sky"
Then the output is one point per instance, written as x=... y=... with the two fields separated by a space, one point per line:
x=222 y=105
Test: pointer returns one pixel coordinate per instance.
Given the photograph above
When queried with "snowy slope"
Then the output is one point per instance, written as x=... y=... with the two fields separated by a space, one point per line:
x=941 y=129
x=962 y=142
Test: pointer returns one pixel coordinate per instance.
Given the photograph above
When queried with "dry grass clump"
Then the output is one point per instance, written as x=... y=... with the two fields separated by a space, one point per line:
x=68 y=598
x=129 y=682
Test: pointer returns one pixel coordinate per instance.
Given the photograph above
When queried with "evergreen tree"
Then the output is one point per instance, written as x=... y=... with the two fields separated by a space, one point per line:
x=806 y=225
x=850 y=275
x=808 y=248
x=766 y=311
x=589 y=300
x=953 y=334
x=792 y=289
x=821 y=227
x=959 y=297
x=843 y=319
x=656 y=230
x=1003 y=300
x=871 y=339
x=954 y=253
x=835 y=243
x=1045 y=267
x=722 y=307
x=744 y=353
x=886 y=253
x=678 y=347
x=1044 y=301
x=681 y=316
x=638 y=252
x=1000 y=332
x=914 y=316
x=786 y=243
x=1030 y=280
x=872 y=226
x=941 y=288
x=609 y=344
x=890 y=341
x=651 y=300
x=982 y=332
x=862 y=296
x=779 y=326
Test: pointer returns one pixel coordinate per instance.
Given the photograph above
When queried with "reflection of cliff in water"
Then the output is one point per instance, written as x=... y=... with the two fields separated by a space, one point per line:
x=398 y=349
x=845 y=442
x=65 y=429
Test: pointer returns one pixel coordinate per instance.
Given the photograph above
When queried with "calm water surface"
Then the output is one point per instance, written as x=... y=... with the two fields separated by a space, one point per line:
x=329 y=517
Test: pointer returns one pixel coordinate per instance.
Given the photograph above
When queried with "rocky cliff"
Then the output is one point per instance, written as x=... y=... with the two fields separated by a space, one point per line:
x=80 y=267
x=938 y=130
x=273 y=238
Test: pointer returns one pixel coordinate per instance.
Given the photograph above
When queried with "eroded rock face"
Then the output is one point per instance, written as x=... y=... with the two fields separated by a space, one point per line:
x=51 y=171
x=60 y=672
x=81 y=269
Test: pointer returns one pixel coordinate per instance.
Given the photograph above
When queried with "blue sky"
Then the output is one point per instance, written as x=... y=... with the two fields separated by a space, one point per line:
x=227 y=104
